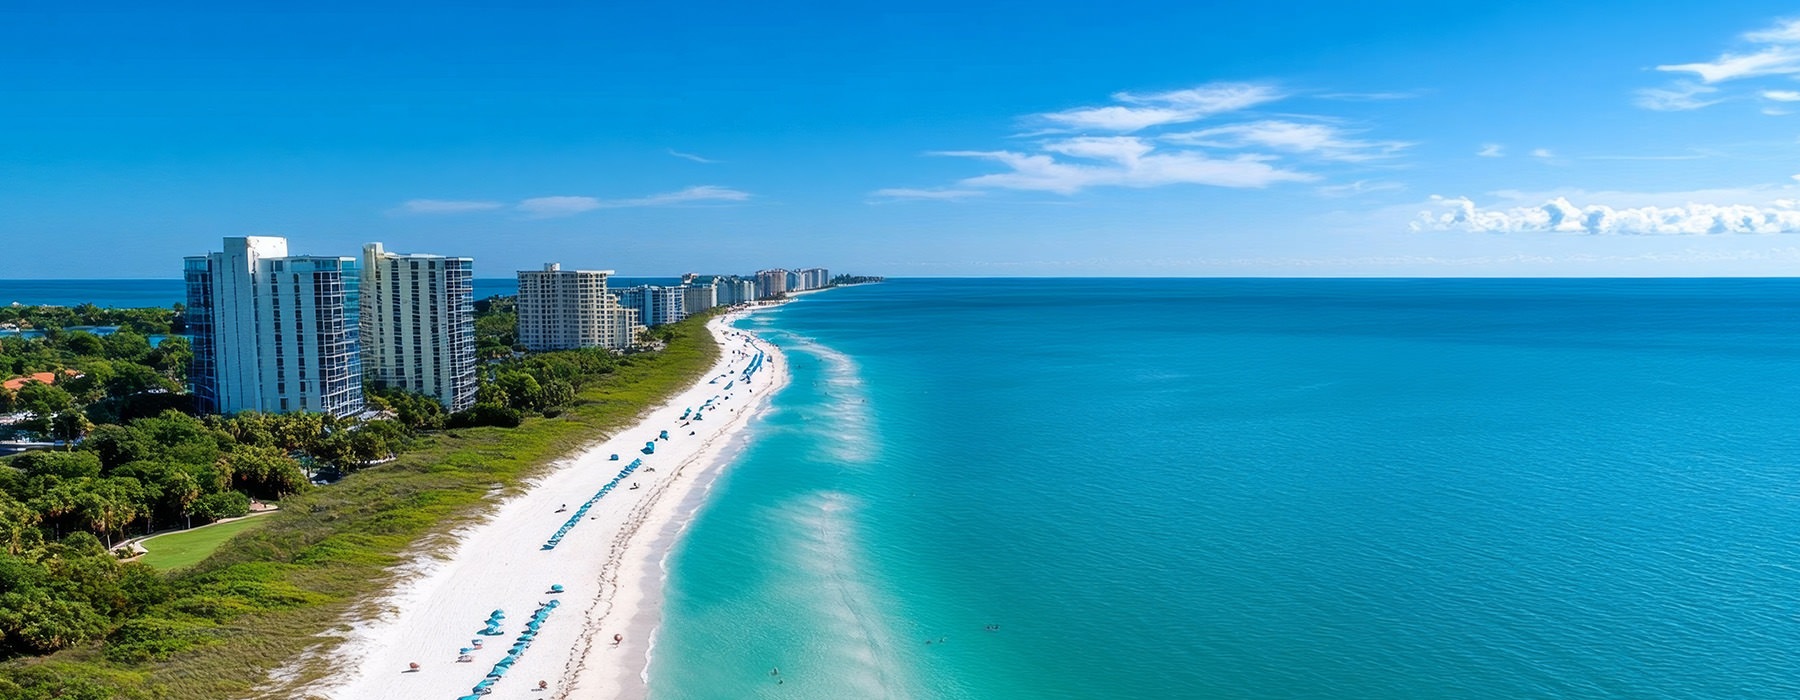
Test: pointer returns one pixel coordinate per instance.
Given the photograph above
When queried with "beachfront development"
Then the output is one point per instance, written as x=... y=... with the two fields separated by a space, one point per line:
x=549 y=444
x=589 y=536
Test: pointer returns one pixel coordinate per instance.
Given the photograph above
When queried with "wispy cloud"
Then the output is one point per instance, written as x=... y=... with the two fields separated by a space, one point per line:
x=1139 y=111
x=1558 y=215
x=1775 y=60
x=1136 y=146
x=1773 y=51
x=444 y=206
x=1543 y=153
x=1122 y=161
x=1359 y=187
x=1491 y=150
x=1322 y=140
x=942 y=194
x=569 y=205
x=1679 y=96
x=1372 y=96
x=702 y=193
x=546 y=207
x=692 y=157
x=1781 y=95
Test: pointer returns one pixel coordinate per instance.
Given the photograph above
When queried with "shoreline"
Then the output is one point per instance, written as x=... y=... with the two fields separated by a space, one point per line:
x=609 y=564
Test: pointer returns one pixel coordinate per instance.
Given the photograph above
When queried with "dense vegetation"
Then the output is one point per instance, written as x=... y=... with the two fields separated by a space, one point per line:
x=149 y=321
x=266 y=595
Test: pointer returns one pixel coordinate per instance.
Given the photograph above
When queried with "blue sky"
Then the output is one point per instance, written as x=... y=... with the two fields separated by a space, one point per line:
x=924 y=139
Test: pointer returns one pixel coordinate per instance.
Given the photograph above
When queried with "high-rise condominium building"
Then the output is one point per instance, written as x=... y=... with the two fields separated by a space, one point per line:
x=770 y=283
x=814 y=278
x=418 y=324
x=273 y=332
x=696 y=298
x=655 y=305
x=562 y=309
x=734 y=290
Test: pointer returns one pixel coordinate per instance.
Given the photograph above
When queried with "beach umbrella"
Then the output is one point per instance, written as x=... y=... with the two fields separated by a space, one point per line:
x=465 y=650
x=556 y=588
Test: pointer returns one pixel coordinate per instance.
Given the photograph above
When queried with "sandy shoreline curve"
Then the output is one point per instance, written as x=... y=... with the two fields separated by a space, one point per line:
x=609 y=563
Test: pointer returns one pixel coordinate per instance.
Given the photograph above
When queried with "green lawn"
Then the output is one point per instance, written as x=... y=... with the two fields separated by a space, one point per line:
x=179 y=549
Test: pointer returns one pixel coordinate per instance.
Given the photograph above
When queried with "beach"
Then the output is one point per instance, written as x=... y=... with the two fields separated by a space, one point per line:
x=592 y=635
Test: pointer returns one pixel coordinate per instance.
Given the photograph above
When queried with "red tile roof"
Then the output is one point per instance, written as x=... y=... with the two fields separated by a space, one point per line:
x=40 y=377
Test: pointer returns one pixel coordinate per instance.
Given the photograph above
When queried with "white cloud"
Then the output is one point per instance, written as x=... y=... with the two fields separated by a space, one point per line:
x=1560 y=216
x=1785 y=31
x=444 y=206
x=702 y=193
x=558 y=206
x=692 y=157
x=1359 y=187
x=1123 y=161
x=546 y=207
x=1774 y=60
x=1491 y=150
x=1765 y=52
x=1323 y=140
x=937 y=194
x=1142 y=111
x=1679 y=96
x=1542 y=153
x=1133 y=146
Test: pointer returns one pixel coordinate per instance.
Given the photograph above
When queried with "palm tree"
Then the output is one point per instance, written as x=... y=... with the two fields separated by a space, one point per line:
x=70 y=426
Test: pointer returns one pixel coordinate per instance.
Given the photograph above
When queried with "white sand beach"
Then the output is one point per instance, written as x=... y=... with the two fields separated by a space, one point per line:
x=609 y=563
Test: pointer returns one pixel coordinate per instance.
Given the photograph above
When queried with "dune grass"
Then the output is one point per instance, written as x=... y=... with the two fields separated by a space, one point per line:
x=187 y=547
x=264 y=601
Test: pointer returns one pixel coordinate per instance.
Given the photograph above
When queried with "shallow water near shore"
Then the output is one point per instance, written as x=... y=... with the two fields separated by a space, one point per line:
x=1258 y=488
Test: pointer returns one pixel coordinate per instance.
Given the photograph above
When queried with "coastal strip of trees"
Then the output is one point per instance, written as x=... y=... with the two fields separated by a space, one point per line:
x=78 y=622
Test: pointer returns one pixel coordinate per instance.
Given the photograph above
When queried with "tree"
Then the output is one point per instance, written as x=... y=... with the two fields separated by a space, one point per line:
x=222 y=504
x=523 y=389
x=116 y=445
x=18 y=525
x=130 y=378
x=172 y=356
x=83 y=343
x=62 y=465
x=44 y=400
x=126 y=345
x=70 y=426
x=264 y=472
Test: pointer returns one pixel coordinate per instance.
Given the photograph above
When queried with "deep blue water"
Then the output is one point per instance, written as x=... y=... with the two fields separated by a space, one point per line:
x=168 y=292
x=1259 y=489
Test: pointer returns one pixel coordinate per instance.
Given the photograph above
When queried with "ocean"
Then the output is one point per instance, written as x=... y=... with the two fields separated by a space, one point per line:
x=143 y=293
x=1258 y=489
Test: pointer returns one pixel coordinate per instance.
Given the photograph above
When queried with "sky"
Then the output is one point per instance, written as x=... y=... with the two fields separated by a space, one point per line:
x=920 y=139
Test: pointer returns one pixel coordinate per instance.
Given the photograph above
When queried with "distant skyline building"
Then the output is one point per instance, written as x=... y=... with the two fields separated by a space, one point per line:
x=564 y=309
x=731 y=291
x=696 y=298
x=771 y=283
x=655 y=305
x=814 y=278
x=272 y=332
x=418 y=324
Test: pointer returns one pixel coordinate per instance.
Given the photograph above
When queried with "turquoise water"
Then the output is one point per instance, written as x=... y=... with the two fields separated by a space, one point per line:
x=1259 y=489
